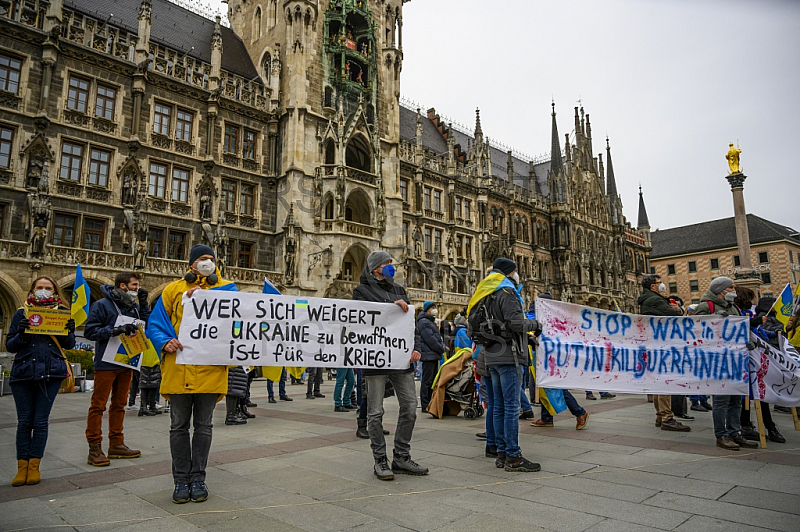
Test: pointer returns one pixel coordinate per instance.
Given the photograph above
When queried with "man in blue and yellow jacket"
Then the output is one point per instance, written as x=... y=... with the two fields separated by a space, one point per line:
x=192 y=390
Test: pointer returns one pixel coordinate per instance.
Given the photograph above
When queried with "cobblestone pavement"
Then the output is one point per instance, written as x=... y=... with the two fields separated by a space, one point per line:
x=299 y=466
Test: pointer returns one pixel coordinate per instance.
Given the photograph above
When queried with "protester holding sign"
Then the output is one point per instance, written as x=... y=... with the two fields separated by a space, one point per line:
x=111 y=379
x=652 y=303
x=36 y=375
x=726 y=409
x=377 y=285
x=193 y=390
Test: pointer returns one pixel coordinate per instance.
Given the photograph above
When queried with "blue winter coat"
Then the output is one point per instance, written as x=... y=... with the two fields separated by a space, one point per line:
x=102 y=317
x=37 y=355
x=432 y=344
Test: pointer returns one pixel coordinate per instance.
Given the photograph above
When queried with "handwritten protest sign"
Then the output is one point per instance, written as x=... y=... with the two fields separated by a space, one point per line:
x=47 y=320
x=136 y=343
x=589 y=348
x=775 y=373
x=115 y=351
x=239 y=329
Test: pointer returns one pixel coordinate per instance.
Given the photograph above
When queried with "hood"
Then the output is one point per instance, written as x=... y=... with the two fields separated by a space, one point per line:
x=368 y=279
x=718 y=301
x=764 y=305
x=108 y=291
x=647 y=294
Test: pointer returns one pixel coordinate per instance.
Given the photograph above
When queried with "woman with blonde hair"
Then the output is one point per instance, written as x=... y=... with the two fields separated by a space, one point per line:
x=36 y=375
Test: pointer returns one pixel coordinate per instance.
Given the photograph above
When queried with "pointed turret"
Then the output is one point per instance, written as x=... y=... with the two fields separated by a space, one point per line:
x=611 y=182
x=478 y=129
x=643 y=223
x=556 y=164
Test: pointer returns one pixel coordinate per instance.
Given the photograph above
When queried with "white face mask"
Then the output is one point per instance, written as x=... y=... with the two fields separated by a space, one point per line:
x=515 y=276
x=434 y=312
x=730 y=296
x=206 y=267
x=662 y=288
x=133 y=293
x=43 y=294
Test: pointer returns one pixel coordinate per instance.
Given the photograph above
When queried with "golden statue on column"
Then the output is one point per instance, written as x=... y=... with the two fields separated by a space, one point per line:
x=733 y=159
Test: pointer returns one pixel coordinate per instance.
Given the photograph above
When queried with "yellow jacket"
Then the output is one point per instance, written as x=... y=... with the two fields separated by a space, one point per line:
x=163 y=326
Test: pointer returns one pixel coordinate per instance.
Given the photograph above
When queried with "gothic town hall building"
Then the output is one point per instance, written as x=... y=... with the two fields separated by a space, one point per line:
x=130 y=131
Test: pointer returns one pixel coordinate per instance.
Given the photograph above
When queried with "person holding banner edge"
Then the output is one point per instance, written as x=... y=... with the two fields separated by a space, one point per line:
x=112 y=380
x=377 y=285
x=652 y=303
x=726 y=409
x=36 y=375
x=193 y=390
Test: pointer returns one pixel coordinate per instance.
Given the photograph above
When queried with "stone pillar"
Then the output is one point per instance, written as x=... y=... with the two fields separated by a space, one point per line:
x=745 y=275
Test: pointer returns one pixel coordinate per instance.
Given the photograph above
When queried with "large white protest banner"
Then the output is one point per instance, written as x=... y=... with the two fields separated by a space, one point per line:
x=244 y=329
x=593 y=349
x=775 y=373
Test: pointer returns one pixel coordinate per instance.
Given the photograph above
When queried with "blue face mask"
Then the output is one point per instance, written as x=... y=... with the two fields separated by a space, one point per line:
x=388 y=271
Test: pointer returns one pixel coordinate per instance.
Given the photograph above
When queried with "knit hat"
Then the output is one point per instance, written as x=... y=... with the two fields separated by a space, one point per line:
x=376 y=258
x=719 y=284
x=427 y=305
x=504 y=265
x=459 y=320
x=545 y=295
x=198 y=251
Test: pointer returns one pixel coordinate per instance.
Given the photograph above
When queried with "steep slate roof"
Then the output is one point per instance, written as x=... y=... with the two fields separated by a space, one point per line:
x=716 y=234
x=173 y=26
x=434 y=141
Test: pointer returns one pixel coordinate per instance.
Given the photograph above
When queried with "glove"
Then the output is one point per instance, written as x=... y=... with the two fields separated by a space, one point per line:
x=116 y=331
x=70 y=326
x=142 y=297
x=22 y=328
x=130 y=328
x=751 y=346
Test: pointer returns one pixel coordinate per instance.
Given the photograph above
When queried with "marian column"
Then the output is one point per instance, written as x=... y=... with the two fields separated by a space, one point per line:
x=745 y=275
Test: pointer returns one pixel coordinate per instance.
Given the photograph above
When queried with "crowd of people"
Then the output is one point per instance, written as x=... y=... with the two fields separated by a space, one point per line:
x=496 y=330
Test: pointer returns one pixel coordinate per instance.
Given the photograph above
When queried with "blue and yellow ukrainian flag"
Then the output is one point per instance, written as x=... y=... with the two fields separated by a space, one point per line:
x=80 y=298
x=784 y=305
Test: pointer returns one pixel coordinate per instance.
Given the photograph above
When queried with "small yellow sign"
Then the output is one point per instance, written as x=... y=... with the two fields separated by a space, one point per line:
x=136 y=343
x=47 y=320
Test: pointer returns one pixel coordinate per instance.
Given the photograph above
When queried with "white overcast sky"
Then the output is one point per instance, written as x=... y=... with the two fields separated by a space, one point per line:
x=671 y=82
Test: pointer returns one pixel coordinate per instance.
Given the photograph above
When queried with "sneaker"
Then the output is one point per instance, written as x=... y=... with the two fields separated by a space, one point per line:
x=741 y=442
x=607 y=395
x=340 y=409
x=181 y=494
x=286 y=398
x=382 y=470
x=167 y=408
x=520 y=464
x=727 y=443
x=481 y=435
x=250 y=404
x=131 y=407
x=491 y=451
x=199 y=491
x=580 y=423
x=784 y=409
x=234 y=420
x=590 y=396
x=540 y=423
x=272 y=400
x=526 y=414
x=774 y=435
x=707 y=406
x=698 y=408
x=500 y=461
x=407 y=466
x=675 y=426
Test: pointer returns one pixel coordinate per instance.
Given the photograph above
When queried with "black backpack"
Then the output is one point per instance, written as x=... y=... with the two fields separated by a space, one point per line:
x=482 y=327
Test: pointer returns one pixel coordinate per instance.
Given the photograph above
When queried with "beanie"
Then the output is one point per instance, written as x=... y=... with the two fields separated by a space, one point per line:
x=459 y=320
x=198 y=251
x=504 y=265
x=427 y=305
x=376 y=258
x=545 y=295
x=719 y=284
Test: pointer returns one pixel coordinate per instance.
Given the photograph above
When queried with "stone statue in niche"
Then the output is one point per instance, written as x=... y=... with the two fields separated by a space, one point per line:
x=289 y=258
x=129 y=188
x=34 y=171
x=140 y=255
x=221 y=241
x=38 y=238
x=205 y=203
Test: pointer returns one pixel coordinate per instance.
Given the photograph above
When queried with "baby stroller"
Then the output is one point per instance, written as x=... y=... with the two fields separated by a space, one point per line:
x=454 y=389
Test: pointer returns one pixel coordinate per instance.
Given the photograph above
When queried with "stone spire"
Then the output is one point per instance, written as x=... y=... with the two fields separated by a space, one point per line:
x=556 y=164
x=478 y=129
x=643 y=222
x=611 y=182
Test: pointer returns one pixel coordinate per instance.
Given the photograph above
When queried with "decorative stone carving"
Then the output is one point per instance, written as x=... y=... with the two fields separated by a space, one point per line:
x=220 y=242
x=129 y=180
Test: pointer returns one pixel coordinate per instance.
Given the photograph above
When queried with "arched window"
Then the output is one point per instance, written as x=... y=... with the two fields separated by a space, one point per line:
x=328 y=208
x=256 y=29
x=330 y=152
x=358 y=154
x=266 y=68
x=357 y=208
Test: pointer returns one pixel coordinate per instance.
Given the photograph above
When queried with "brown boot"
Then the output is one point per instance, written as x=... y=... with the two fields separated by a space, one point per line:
x=22 y=473
x=96 y=456
x=33 y=471
x=122 y=451
x=674 y=426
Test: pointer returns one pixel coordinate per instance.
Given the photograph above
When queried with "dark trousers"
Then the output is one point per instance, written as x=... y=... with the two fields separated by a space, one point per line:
x=574 y=408
x=190 y=454
x=250 y=377
x=361 y=395
x=429 y=369
x=148 y=398
x=766 y=415
x=115 y=383
x=34 y=400
x=314 y=380
x=678 y=405
x=134 y=388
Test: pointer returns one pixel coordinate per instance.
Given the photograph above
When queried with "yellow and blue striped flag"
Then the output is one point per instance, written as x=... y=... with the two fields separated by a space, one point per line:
x=80 y=298
x=784 y=305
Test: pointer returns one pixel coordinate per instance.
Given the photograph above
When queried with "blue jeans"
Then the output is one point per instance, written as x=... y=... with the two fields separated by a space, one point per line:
x=486 y=388
x=698 y=399
x=574 y=408
x=726 y=411
x=33 y=400
x=281 y=386
x=343 y=376
x=190 y=454
x=525 y=405
x=505 y=393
